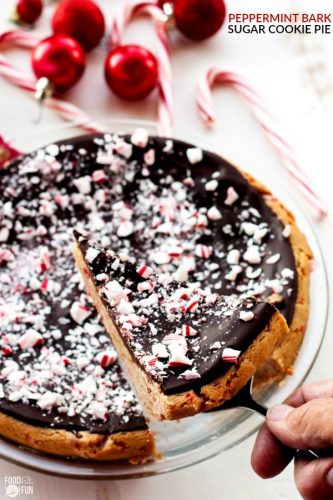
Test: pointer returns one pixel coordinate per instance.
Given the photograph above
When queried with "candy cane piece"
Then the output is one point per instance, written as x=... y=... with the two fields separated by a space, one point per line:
x=66 y=110
x=121 y=20
x=206 y=110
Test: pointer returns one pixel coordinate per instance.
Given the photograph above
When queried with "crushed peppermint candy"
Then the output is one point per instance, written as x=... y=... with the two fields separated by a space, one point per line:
x=246 y=315
x=212 y=185
x=79 y=312
x=232 y=196
x=188 y=331
x=194 y=155
x=230 y=355
x=140 y=137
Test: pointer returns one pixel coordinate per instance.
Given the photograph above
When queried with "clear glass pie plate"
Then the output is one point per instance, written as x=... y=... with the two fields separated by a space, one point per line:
x=191 y=440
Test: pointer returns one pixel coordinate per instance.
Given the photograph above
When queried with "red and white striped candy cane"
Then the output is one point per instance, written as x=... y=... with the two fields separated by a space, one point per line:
x=284 y=150
x=121 y=20
x=68 y=111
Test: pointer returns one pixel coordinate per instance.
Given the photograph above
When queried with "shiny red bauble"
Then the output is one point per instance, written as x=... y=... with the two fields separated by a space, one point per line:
x=28 y=11
x=80 y=19
x=60 y=59
x=199 y=19
x=131 y=72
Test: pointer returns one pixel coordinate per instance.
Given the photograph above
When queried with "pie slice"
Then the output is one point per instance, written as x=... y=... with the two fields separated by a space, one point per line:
x=186 y=350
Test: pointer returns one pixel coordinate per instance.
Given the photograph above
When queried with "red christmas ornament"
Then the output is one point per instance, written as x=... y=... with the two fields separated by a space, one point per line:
x=131 y=72
x=198 y=19
x=28 y=11
x=60 y=59
x=80 y=19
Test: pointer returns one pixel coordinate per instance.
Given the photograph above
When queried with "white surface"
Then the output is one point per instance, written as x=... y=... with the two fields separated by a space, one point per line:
x=293 y=75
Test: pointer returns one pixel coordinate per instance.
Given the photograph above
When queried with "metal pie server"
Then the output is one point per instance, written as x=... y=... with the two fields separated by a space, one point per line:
x=244 y=399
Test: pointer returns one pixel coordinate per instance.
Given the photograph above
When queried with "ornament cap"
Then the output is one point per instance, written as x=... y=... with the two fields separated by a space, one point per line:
x=44 y=89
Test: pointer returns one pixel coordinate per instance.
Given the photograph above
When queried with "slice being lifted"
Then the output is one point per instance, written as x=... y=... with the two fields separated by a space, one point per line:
x=186 y=350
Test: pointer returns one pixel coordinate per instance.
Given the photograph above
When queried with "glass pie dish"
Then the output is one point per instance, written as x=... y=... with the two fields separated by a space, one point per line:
x=191 y=440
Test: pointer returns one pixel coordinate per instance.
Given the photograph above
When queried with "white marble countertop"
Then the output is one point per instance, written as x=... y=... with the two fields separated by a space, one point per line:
x=294 y=76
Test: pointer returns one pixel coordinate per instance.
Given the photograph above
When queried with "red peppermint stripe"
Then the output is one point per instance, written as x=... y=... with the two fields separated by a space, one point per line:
x=188 y=331
x=107 y=358
x=45 y=260
x=29 y=339
x=7 y=350
x=192 y=305
x=144 y=271
x=230 y=355
x=203 y=251
x=99 y=176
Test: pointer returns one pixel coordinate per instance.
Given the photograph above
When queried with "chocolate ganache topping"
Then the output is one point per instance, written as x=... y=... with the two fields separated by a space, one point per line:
x=186 y=213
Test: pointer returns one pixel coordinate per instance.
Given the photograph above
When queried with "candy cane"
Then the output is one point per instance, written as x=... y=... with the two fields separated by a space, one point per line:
x=121 y=20
x=66 y=110
x=284 y=150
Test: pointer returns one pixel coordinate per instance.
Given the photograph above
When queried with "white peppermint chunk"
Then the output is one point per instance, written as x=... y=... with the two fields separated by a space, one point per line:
x=181 y=274
x=140 y=137
x=149 y=157
x=4 y=233
x=161 y=258
x=91 y=254
x=249 y=228
x=211 y=185
x=275 y=285
x=230 y=355
x=29 y=339
x=246 y=315
x=233 y=256
x=168 y=146
x=286 y=231
x=178 y=358
x=214 y=214
x=104 y=157
x=253 y=273
x=126 y=228
x=233 y=273
x=194 y=155
x=87 y=386
x=124 y=149
x=260 y=234
x=190 y=374
x=82 y=362
x=49 y=400
x=125 y=307
x=17 y=395
x=160 y=350
x=252 y=255
x=79 y=312
x=92 y=328
x=273 y=259
x=287 y=273
x=232 y=196
x=114 y=291
x=99 y=410
x=52 y=149
x=83 y=184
